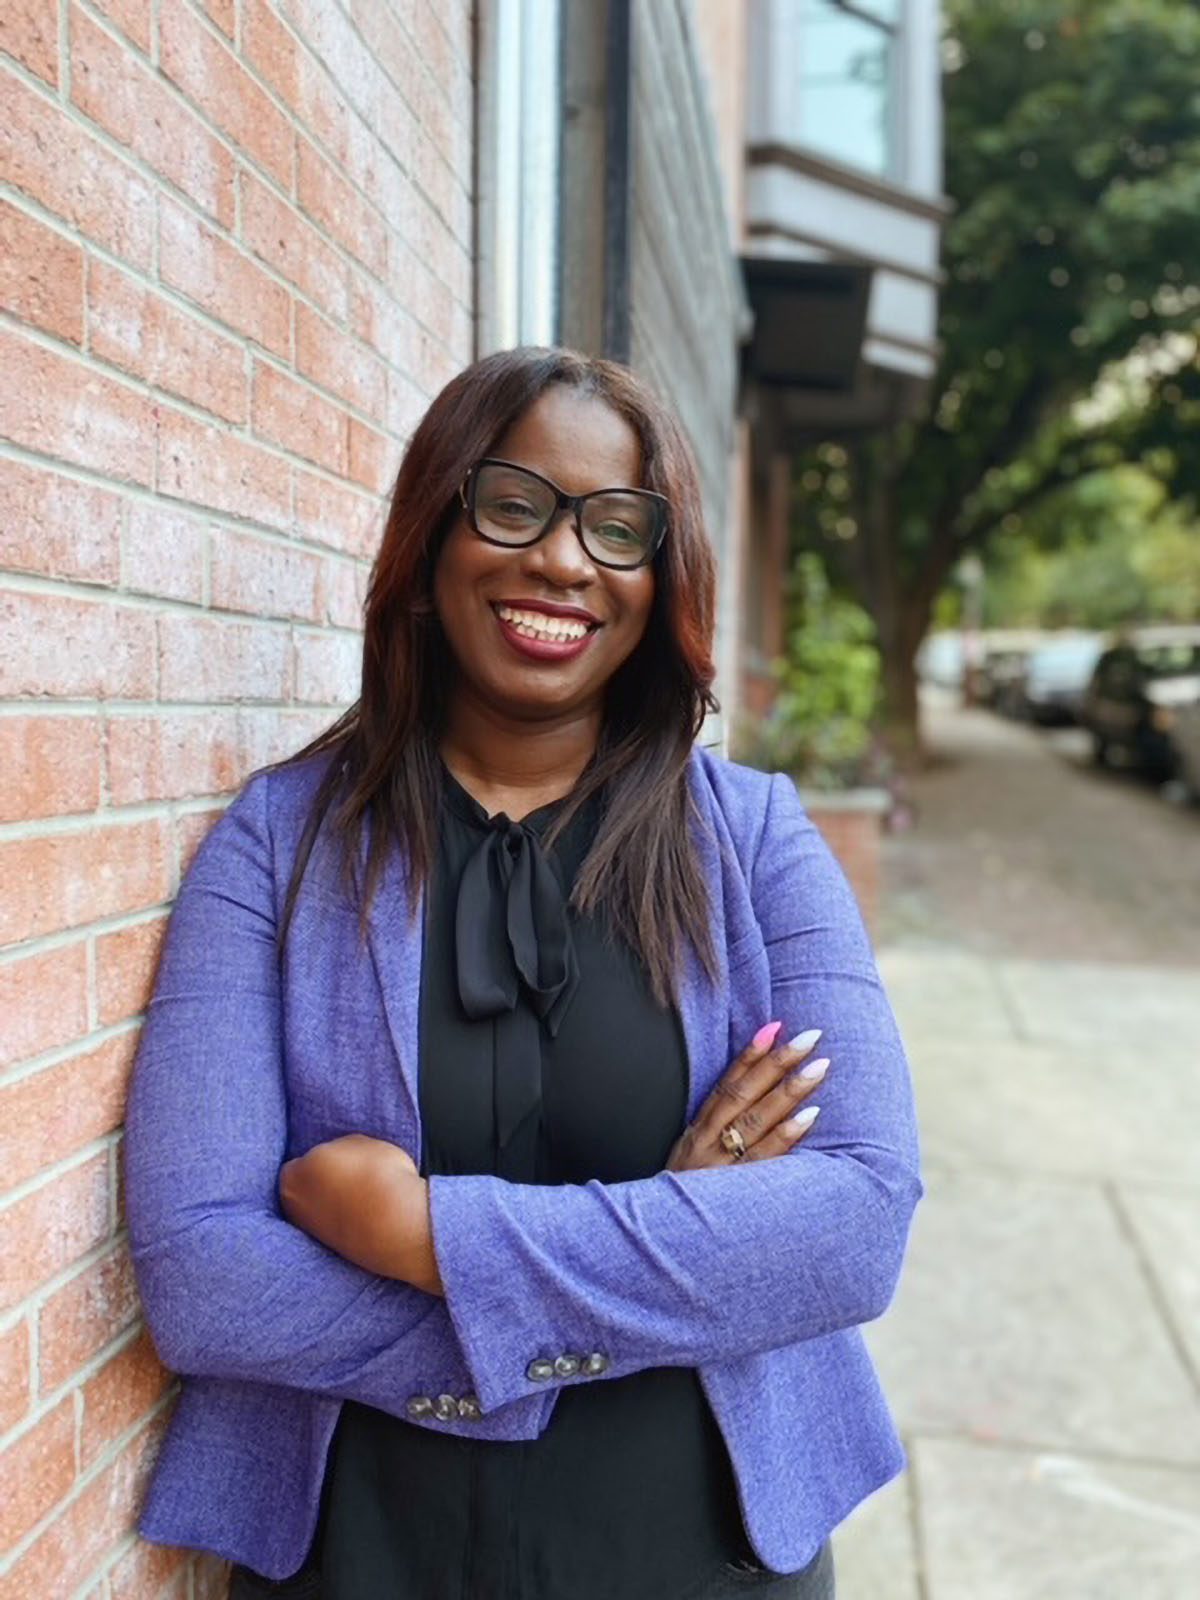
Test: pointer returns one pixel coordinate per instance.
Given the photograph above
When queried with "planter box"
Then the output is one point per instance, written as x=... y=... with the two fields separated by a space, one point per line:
x=851 y=823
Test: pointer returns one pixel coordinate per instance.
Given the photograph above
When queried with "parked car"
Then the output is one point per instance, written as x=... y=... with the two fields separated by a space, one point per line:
x=1056 y=676
x=1186 y=734
x=1136 y=692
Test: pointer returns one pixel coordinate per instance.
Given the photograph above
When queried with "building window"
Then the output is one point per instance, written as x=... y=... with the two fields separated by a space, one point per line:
x=846 y=82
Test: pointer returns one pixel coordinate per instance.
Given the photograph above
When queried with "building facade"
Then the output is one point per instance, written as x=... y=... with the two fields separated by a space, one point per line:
x=242 y=245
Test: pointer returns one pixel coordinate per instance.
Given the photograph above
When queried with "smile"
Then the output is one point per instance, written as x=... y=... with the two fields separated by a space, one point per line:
x=558 y=640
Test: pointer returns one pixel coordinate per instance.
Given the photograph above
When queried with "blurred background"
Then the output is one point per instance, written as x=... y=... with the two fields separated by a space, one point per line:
x=923 y=283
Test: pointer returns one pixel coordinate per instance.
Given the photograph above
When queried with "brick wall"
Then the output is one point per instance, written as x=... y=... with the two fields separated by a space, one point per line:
x=234 y=266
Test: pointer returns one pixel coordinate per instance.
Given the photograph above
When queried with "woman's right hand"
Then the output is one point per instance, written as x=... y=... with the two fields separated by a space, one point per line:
x=760 y=1094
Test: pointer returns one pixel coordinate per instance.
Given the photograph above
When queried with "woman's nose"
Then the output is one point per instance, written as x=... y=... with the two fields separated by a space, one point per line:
x=560 y=550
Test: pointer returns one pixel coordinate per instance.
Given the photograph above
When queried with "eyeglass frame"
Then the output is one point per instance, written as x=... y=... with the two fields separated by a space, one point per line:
x=571 y=502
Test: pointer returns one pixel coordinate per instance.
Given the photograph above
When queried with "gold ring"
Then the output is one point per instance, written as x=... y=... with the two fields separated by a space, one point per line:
x=732 y=1142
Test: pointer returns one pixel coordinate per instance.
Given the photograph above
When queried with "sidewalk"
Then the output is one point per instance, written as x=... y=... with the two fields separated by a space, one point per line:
x=1042 y=1355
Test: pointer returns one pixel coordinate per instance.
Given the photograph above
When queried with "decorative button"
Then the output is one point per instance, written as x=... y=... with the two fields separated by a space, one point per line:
x=595 y=1363
x=419 y=1406
x=540 y=1369
x=445 y=1408
x=566 y=1366
x=468 y=1408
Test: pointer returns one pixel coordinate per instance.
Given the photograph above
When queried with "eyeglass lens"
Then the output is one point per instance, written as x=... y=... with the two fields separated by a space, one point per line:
x=513 y=506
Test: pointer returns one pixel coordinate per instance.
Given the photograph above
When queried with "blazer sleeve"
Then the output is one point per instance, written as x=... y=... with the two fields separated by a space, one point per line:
x=683 y=1269
x=231 y=1288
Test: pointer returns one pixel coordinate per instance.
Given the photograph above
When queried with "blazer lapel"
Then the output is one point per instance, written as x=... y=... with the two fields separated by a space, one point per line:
x=397 y=946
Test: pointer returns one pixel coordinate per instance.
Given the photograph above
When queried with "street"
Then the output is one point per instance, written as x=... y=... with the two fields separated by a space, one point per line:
x=1041 y=946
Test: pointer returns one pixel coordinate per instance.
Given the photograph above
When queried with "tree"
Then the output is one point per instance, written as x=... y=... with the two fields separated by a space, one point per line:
x=1072 y=276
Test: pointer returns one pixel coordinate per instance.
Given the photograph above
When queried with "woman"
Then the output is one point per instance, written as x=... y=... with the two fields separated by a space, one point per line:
x=456 y=1047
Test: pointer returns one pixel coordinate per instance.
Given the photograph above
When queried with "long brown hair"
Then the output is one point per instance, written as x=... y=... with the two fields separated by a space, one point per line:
x=640 y=873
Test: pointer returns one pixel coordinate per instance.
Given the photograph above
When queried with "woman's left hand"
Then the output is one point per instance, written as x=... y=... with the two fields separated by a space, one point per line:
x=364 y=1198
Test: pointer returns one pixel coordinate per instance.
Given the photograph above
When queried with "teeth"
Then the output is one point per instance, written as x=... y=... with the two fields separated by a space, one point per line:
x=551 y=628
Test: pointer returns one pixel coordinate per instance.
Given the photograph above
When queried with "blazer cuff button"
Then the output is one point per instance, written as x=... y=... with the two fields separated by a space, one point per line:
x=446 y=1408
x=468 y=1408
x=420 y=1405
x=539 y=1370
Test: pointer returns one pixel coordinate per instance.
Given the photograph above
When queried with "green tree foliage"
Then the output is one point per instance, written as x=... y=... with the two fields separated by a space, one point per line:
x=1109 y=550
x=1070 y=307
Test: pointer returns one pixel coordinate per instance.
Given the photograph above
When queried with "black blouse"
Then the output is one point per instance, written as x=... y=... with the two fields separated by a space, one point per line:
x=544 y=1058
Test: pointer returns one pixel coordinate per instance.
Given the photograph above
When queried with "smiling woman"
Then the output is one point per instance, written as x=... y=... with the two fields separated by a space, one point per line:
x=441 y=1215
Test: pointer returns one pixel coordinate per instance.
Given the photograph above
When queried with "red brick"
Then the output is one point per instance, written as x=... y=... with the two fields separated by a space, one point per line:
x=56 y=406
x=58 y=527
x=345 y=592
x=224 y=14
x=76 y=648
x=214 y=659
x=84 y=1315
x=210 y=74
x=339 y=363
x=216 y=276
x=39 y=1469
x=126 y=961
x=406 y=404
x=47 y=155
x=275 y=733
x=123 y=1390
x=292 y=415
x=382 y=321
x=132 y=17
x=50 y=1114
x=266 y=578
x=62 y=880
x=209 y=467
x=144 y=334
x=173 y=757
x=29 y=31
x=43 y=1000
x=374 y=458
x=165 y=552
x=273 y=52
x=47 y=1230
x=41 y=275
x=76 y=1542
x=51 y=766
x=337 y=515
x=16 y=1390
x=147 y=1569
x=337 y=206
x=328 y=668
x=191 y=831
x=134 y=105
x=280 y=236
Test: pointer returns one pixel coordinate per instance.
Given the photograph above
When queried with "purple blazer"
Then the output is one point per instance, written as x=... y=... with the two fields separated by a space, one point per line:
x=758 y=1275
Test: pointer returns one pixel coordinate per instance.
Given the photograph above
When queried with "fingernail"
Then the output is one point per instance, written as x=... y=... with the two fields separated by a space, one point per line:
x=803 y=1119
x=805 y=1041
x=766 y=1035
x=815 y=1070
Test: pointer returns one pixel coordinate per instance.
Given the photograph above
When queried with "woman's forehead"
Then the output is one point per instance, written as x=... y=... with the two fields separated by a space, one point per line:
x=577 y=439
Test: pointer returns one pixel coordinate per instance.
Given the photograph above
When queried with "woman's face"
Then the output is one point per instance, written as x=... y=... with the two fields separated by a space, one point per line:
x=581 y=444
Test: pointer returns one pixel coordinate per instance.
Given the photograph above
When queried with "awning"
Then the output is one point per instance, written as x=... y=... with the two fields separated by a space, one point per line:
x=809 y=321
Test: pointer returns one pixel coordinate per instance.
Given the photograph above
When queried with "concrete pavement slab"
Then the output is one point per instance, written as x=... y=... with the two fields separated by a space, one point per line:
x=874 y=1549
x=1102 y=1002
x=1166 y=1224
x=1022 y=1315
x=936 y=989
x=1095 y=1112
x=1003 y=1524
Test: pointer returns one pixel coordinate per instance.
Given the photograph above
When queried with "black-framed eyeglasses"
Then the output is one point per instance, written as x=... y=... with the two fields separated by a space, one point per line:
x=512 y=505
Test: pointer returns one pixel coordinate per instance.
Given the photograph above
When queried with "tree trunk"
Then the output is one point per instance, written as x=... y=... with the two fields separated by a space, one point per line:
x=901 y=708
